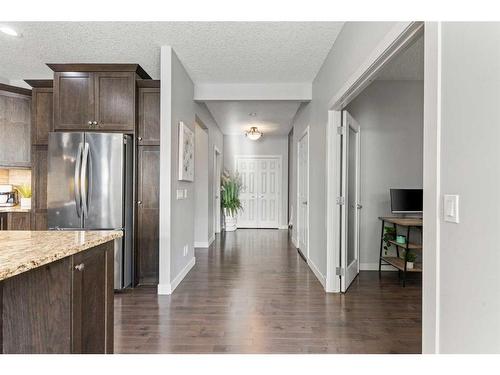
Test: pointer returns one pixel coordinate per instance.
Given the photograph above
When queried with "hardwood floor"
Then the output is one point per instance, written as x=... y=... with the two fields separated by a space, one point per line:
x=252 y=293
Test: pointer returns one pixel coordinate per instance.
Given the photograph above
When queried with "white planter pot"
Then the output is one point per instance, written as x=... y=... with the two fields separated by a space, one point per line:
x=230 y=222
x=409 y=265
x=25 y=202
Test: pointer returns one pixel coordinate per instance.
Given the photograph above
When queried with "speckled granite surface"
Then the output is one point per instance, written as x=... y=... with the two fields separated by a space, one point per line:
x=21 y=251
x=14 y=209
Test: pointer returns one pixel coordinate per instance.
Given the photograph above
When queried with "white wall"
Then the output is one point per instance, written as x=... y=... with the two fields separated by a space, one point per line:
x=390 y=114
x=215 y=139
x=355 y=43
x=267 y=145
x=469 y=277
x=201 y=193
x=176 y=216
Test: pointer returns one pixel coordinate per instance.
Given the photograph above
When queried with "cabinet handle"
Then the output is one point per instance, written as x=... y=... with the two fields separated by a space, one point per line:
x=139 y=202
x=90 y=123
x=139 y=138
x=80 y=267
x=94 y=123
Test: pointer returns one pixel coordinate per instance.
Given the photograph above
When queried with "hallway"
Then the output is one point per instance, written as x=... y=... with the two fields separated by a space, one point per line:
x=252 y=293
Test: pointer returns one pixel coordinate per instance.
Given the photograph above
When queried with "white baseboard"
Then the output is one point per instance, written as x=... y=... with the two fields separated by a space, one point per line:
x=374 y=267
x=317 y=273
x=169 y=288
x=201 y=244
x=283 y=227
x=294 y=241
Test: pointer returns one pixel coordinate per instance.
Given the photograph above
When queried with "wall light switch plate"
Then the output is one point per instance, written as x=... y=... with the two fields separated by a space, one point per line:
x=186 y=250
x=451 y=206
x=180 y=194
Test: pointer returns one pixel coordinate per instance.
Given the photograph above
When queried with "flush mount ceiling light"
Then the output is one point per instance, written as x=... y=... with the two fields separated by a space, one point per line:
x=9 y=31
x=253 y=134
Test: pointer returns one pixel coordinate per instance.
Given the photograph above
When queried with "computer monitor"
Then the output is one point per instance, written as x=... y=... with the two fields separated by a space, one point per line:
x=407 y=201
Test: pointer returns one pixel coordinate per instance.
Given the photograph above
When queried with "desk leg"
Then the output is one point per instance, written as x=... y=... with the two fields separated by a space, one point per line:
x=406 y=253
x=381 y=248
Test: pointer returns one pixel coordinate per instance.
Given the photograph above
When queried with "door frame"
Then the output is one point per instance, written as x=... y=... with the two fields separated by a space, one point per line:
x=304 y=133
x=217 y=212
x=280 y=178
x=398 y=39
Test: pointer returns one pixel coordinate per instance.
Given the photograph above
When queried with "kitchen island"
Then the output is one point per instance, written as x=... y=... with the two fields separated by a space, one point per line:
x=56 y=291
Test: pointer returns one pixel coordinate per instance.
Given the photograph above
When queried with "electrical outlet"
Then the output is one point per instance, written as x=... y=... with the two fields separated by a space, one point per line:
x=185 y=193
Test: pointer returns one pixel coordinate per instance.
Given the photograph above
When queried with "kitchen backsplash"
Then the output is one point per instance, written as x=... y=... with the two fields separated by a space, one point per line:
x=15 y=176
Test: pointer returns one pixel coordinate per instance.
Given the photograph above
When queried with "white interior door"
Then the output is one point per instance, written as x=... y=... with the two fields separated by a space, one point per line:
x=248 y=216
x=269 y=192
x=217 y=176
x=303 y=194
x=260 y=195
x=351 y=205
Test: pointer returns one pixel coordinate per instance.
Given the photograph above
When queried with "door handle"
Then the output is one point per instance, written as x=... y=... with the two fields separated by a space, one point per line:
x=80 y=267
x=78 y=164
x=304 y=202
x=83 y=179
x=359 y=207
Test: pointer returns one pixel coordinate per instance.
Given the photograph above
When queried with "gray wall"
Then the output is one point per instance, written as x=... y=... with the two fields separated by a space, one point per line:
x=390 y=114
x=201 y=193
x=267 y=145
x=182 y=211
x=470 y=166
x=355 y=43
x=215 y=139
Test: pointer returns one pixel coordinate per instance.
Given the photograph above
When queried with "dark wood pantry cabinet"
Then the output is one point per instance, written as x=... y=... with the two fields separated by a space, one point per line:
x=41 y=124
x=148 y=183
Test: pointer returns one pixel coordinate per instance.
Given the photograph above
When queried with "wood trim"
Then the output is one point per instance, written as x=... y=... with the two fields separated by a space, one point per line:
x=47 y=83
x=148 y=83
x=15 y=89
x=100 y=68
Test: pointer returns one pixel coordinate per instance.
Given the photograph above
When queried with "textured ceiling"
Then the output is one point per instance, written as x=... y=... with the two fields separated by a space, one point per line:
x=211 y=51
x=409 y=65
x=272 y=117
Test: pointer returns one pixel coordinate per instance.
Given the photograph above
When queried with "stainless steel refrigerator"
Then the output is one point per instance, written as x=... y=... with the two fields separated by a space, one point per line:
x=90 y=187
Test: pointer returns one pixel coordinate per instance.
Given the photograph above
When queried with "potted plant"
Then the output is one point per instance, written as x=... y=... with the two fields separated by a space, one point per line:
x=230 y=199
x=410 y=259
x=25 y=193
x=389 y=235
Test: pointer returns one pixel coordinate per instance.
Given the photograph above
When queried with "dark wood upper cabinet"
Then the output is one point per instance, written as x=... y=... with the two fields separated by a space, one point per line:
x=15 y=127
x=74 y=107
x=148 y=124
x=147 y=245
x=42 y=115
x=98 y=97
x=115 y=101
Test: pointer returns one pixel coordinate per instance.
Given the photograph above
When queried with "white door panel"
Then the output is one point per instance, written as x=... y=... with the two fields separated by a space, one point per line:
x=303 y=194
x=351 y=193
x=260 y=194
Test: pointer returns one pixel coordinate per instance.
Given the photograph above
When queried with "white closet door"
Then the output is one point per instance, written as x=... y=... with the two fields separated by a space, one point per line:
x=303 y=195
x=269 y=197
x=260 y=195
x=248 y=217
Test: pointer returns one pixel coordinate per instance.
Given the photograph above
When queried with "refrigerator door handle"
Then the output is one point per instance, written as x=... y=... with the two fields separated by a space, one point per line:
x=78 y=196
x=83 y=178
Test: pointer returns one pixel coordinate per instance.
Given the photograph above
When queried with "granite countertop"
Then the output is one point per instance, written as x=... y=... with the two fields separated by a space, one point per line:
x=21 y=251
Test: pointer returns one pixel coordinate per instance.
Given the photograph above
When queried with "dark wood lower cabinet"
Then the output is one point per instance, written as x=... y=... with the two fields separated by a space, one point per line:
x=15 y=221
x=63 y=307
